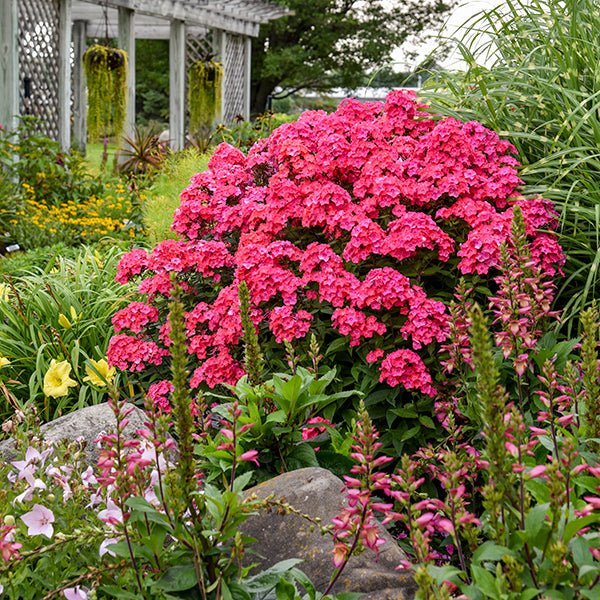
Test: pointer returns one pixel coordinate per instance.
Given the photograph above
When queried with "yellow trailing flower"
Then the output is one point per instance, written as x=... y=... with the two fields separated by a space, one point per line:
x=56 y=380
x=100 y=374
x=4 y=361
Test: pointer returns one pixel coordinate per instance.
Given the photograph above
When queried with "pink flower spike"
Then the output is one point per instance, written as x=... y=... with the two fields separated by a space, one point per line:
x=250 y=456
x=39 y=521
x=339 y=554
x=76 y=593
x=537 y=471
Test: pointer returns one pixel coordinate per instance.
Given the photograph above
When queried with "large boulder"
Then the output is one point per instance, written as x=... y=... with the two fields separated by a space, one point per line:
x=85 y=424
x=317 y=492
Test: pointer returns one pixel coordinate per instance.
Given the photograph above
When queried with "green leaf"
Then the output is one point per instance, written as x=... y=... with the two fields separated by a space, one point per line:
x=489 y=551
x=301 y=456
x=572 y=527
x=241 y=481
x=117 y=592
x=486 y=582
x=266 y=580
x=427 y=421
x=178 y=578
x=405 y=412
x=285 y=590
x=535 y=519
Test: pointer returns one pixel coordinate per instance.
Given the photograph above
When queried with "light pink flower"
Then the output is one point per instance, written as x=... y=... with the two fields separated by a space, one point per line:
x=39 y=521
x=76 y=593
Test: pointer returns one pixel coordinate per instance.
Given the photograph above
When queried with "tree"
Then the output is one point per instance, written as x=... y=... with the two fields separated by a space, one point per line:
x=332 y=43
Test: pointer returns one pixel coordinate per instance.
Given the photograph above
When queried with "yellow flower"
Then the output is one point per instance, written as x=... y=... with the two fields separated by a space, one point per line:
x=64 y=321
x=57 y=381
x=4 y=289
x=4 y=361
x=100 y=374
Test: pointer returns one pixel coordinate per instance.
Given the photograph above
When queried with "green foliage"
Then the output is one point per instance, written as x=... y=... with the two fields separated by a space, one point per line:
x=332 y=43
x=162 y=198
x=151 y=81
x=106 y=77
x=59 y=311
x=141 y=154
x=205 y=79
x=542 y=93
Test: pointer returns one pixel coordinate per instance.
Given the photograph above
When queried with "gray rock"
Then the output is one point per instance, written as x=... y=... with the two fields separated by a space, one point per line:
x=317 y=492
x=87 y=423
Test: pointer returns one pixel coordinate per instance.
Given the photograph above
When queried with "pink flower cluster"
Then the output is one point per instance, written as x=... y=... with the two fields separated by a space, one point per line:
x=325 y=220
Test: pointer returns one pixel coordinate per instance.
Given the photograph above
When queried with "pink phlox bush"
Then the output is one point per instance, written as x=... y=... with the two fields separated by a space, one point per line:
x=332 y=219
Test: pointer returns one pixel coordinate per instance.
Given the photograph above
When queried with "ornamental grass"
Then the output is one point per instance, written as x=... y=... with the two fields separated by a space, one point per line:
x=542 y=93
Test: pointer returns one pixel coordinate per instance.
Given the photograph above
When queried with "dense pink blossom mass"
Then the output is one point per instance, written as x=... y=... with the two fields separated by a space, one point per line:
x=330 y=218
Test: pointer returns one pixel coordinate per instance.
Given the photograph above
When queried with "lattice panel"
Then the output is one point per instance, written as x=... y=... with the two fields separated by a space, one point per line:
x=234 y=73
x=197 y=47
x=39 y=62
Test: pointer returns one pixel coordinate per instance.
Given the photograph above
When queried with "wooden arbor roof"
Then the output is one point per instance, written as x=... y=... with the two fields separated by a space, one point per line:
x=42 y=42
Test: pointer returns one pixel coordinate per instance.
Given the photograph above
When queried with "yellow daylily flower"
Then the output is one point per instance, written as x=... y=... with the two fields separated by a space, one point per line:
x=56 y=380
x=4 y=292
x=64 y=321
x=4 y=361
x=102 y=373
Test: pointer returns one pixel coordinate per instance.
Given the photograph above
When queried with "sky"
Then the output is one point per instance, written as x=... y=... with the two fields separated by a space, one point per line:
x=452 y=28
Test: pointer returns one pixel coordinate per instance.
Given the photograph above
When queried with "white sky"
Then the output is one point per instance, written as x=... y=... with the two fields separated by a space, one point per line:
x=452 y=28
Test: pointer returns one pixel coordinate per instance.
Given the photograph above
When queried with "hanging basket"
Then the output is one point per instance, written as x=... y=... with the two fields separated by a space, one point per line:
x=205 y=79
x=106 y=75
x=105 y=57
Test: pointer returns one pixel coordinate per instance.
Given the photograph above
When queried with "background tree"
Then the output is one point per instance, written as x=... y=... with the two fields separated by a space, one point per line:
x=152 y=81
x=332 y=43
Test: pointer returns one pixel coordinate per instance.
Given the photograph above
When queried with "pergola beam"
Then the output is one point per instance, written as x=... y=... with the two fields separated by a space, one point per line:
x=192 y=14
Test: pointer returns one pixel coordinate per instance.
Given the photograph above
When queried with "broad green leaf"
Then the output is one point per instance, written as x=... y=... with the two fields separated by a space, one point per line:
x=486 y=582
x=178 y=578
x=489 y=551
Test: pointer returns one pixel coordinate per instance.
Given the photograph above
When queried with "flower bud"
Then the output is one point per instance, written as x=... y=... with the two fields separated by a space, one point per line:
x=9 y=520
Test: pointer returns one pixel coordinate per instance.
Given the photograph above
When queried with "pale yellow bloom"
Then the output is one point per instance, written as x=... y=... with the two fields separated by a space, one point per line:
x=4 y=289
x=100 y=374
x=4 y=361
x=57 y=381
x=64 y=321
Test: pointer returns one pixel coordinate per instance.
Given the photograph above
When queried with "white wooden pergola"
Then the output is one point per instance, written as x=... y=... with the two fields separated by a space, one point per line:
x=42 y=43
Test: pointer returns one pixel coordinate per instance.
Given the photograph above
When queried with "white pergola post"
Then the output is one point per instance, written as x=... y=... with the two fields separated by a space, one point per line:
x=64 y=76
x=127 y=43
x=79 y=89
x=219 y=44
x=177 y=84
x=247 y=77
x=9 y=65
